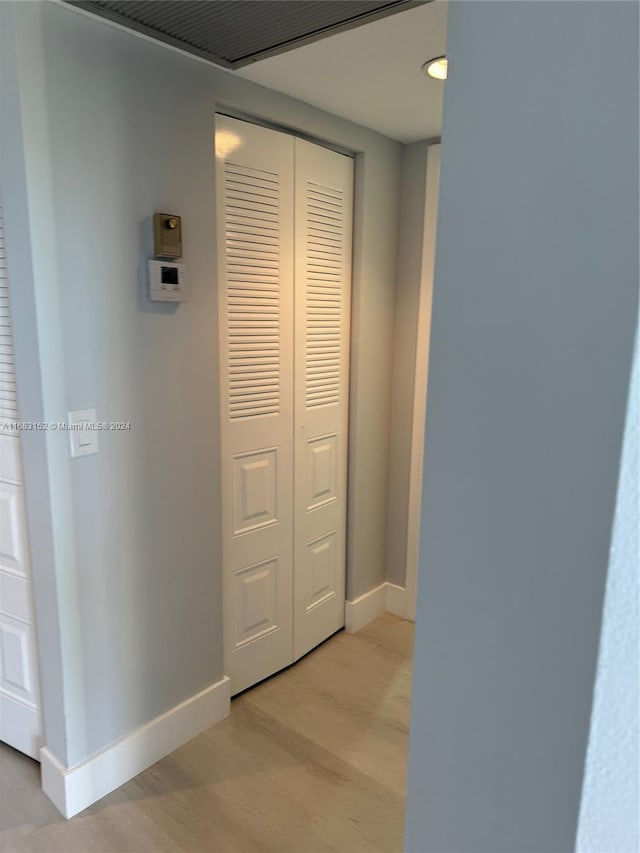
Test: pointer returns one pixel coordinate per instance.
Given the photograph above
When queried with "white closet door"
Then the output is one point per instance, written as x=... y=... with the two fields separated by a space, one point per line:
x=323 y=217
x=20 y=720
x=255 y=211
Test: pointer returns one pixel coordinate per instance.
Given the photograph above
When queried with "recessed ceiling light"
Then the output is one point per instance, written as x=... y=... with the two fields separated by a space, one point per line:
x=436 y=68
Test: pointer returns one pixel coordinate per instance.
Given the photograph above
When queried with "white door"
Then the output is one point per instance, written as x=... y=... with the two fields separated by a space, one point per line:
x=322 y=230
x=20 y=721
x=255 y=215
x=284 y=323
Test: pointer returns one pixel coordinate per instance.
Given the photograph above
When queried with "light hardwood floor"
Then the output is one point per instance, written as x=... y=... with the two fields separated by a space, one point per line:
x=312 y=760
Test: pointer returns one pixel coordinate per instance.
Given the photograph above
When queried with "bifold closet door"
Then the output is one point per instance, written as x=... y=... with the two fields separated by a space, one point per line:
x=322 y=273
x=254 y=171
x=20 y=717
x=284 y=210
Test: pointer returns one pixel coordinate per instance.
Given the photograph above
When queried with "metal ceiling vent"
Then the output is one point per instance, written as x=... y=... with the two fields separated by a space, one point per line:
x=233 y=33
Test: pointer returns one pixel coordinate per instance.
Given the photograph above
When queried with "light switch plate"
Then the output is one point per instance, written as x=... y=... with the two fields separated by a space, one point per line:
x=83 y=439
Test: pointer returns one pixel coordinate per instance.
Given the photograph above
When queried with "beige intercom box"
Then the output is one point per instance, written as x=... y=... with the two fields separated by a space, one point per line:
x=167 y=235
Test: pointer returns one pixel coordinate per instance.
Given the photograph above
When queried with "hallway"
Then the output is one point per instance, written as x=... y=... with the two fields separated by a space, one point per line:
x=309 y=761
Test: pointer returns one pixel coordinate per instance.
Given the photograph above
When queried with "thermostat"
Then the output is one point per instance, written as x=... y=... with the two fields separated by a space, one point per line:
x=167 y=281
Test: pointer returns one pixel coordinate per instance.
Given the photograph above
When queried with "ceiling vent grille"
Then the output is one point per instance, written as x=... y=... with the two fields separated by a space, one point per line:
x=232 y=33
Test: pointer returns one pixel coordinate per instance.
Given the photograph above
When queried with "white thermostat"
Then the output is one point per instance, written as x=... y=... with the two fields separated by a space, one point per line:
x=168 y=281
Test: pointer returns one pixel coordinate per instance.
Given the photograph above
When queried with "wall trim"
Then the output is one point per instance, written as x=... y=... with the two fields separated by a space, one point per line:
x=384 y=598
x=74 y=789
x=396 y=599
x=420 y=390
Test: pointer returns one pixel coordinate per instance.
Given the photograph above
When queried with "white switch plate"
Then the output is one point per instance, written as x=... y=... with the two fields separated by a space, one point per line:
x=83 y=441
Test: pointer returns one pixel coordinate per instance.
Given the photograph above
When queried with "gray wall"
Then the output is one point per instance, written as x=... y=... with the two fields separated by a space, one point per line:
x=609 y=821
x=105 y=128
x=409 y=276
x=535 y=308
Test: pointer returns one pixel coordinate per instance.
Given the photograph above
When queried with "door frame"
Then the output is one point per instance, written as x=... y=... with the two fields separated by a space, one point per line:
x=423 y=338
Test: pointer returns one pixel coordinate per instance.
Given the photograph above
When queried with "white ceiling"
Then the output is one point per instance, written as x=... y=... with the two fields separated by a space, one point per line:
x=370 y=75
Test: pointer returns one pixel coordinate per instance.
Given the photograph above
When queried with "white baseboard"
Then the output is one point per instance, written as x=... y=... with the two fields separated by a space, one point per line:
x=384 y=598
x=396 y=600
x=365 y=609
x=74 y=789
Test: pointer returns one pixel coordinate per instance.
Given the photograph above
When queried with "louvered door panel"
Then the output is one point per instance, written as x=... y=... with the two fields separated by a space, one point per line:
x=323 y=233
x=8 y=395
x=253 y=250
x=254 y=176
x=324 y=280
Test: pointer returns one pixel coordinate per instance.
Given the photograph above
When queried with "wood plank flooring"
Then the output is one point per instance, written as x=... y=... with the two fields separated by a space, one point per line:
x=312 y=760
